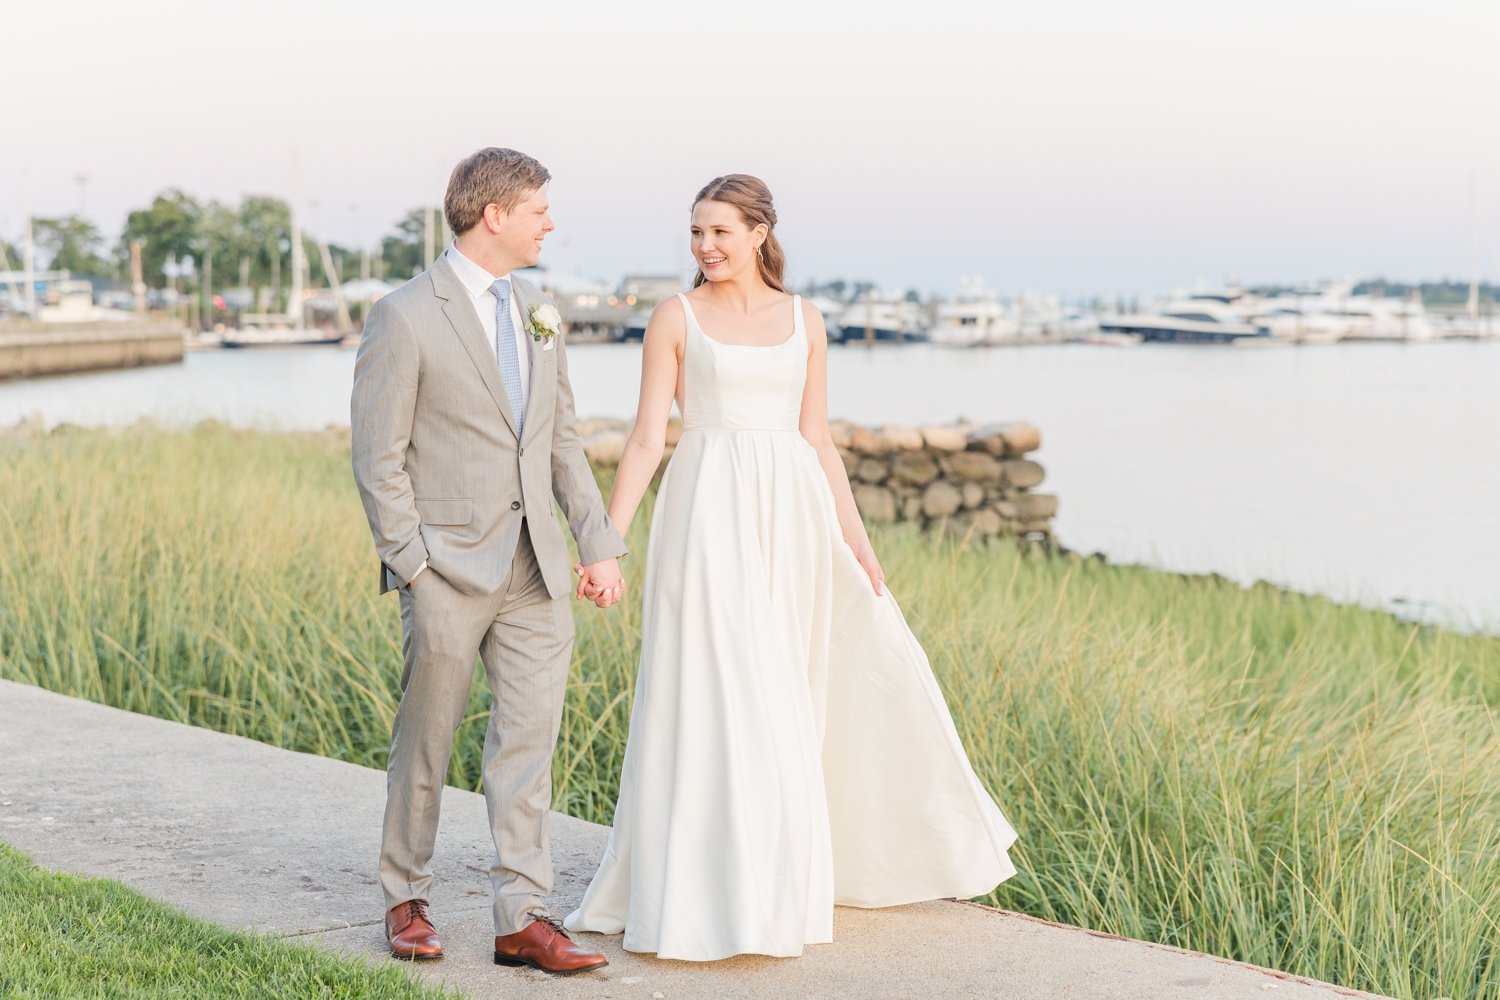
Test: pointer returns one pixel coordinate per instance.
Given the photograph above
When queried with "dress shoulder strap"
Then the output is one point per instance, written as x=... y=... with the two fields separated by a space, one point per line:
x=687 y=312
x=798 y=326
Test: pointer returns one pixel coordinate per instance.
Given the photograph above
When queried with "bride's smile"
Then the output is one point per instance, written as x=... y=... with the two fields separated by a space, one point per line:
x=722 y=243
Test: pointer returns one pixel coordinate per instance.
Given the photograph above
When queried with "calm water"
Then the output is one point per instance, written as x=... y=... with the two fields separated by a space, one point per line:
x=1370 y=473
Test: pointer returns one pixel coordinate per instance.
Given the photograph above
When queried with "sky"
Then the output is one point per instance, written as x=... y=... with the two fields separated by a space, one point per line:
x=1073 y=147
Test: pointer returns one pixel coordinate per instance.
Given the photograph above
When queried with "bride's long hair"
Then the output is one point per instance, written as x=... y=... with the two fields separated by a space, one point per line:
x=751 y=196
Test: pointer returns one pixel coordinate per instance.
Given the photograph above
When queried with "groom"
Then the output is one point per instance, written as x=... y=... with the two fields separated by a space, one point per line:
x=463 y=436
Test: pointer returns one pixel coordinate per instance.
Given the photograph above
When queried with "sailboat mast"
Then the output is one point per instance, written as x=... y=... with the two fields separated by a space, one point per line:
x=28 y=254
x=299 y=261
x=1473 y=255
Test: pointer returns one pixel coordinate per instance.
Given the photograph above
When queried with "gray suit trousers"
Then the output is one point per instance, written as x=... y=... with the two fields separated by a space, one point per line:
x=525 y=639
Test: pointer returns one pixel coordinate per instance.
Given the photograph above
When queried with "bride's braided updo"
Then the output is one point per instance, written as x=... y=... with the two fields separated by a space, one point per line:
x=753 y=199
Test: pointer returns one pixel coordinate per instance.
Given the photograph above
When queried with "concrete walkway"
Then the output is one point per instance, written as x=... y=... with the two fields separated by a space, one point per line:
x=246 y=835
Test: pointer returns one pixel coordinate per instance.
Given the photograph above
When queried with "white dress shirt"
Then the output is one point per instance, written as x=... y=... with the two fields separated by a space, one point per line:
x=476 y=281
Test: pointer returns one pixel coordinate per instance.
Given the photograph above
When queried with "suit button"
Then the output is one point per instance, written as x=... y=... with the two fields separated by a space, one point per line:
x=521 y=453
x=515 y=505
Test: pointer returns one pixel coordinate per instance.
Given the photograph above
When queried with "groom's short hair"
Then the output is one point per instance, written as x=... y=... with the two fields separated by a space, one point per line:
x=489 y=176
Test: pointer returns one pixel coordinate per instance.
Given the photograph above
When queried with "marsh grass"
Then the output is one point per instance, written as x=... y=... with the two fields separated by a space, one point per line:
x=1247 y=772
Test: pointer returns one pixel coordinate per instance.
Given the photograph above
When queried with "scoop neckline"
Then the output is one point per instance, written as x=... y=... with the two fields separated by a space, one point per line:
x=796 y=326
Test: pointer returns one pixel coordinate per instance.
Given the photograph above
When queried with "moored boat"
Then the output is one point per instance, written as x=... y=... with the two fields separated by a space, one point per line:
x=280 y=335
x=882 y=321
x=1193 y=321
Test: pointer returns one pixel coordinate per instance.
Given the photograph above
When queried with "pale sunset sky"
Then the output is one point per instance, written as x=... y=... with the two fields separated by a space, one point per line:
x=1077 y=147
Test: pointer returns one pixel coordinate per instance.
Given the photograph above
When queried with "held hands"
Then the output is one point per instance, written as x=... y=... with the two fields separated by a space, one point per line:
x=600 y=582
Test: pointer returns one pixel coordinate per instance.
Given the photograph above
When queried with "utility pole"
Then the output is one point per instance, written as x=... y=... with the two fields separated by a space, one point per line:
x=137 y=278
x=364 y=251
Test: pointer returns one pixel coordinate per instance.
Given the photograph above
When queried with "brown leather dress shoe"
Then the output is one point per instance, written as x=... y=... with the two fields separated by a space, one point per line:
x=410 y=931
x=543 y=944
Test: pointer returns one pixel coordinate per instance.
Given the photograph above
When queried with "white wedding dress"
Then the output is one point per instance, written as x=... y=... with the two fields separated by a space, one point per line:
x=789 y=748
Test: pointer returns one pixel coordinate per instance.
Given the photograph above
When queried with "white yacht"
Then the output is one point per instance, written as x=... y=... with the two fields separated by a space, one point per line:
x=1333 y=312
x=977 y=316
x=971 y=322
x=72 y=301
x=884 y=320
x=277 y=331
x=1186 y=321
x=1370 y=318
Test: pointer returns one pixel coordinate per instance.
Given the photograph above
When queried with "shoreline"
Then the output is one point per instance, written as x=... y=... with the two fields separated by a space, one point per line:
x=1469 y=628
x=1480 y=630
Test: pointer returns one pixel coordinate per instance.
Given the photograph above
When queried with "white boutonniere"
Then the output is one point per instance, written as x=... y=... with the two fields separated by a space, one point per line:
x=545 y=323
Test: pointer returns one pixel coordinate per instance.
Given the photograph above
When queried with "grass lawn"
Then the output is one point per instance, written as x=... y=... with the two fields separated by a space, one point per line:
x=62 y=936
x=1256 y=774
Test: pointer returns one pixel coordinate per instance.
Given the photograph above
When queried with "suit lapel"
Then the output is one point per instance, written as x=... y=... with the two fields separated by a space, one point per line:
x=459 y=308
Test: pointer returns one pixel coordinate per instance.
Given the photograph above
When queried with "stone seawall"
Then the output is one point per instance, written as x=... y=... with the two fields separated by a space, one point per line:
x=26 y=352
x=956 y=478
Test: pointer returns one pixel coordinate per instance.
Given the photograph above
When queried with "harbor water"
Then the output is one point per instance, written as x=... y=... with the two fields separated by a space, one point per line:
x=1366 y=472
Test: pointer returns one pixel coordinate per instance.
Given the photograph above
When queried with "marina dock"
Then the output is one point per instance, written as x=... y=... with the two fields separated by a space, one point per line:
x=35 y=349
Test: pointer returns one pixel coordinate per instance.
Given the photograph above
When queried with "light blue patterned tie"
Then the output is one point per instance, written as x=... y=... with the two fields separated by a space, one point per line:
x=505 y=350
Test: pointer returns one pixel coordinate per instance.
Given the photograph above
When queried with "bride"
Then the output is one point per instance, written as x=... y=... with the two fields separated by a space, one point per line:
x=789 y=748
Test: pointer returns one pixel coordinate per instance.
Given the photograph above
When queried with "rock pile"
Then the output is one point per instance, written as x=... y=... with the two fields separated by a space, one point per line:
x=956 y=478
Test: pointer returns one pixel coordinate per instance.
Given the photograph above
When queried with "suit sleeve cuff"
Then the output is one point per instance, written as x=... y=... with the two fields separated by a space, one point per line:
x=409 y=560
x=597 y=548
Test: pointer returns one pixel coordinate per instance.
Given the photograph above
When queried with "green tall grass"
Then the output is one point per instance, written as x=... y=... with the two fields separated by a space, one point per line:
x=1251 y=773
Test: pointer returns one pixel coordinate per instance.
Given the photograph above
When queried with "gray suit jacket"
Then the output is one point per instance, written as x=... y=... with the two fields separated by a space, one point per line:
x=441 y=472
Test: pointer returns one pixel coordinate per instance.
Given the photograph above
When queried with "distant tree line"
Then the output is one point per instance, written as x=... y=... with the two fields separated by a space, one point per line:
x=247 y=245
x=1434 y=293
